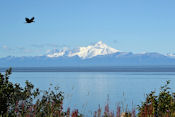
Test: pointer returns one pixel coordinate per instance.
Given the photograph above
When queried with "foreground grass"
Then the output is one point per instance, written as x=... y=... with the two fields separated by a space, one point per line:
x=16 y=101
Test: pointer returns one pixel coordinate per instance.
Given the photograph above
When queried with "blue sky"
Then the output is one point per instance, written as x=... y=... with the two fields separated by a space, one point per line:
x=127 y=25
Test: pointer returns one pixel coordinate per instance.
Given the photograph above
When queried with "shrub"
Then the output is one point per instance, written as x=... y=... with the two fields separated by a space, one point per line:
x=11 y=94
x=162 y=105
x=18 y=101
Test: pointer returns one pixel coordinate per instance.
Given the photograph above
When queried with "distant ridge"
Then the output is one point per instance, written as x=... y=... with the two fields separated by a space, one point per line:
x=95 y=55
x=95 y=69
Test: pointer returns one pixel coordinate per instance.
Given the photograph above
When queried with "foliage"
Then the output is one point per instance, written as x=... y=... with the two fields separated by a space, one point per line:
x=108 y=113
x=10 y=94
x=29 y=102
x=162 y=105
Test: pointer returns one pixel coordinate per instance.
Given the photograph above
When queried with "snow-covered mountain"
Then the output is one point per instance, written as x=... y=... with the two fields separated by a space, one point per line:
x=84 y=52
x=98 y=54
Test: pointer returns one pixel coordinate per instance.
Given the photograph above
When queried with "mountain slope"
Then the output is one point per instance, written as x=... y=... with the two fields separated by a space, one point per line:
x=98 y=54
x=85 y=52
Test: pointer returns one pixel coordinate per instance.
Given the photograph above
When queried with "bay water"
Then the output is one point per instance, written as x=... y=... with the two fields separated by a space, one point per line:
x=85 y=91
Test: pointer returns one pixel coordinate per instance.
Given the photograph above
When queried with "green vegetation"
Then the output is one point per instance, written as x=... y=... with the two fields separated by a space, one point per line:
x=16 y=101
x=162 y=105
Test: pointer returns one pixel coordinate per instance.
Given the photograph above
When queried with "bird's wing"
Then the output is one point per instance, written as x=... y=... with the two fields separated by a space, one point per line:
x=27 y=19
x=32 y=18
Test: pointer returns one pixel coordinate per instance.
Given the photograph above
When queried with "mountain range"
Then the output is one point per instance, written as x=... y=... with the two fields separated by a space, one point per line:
x=98 y=54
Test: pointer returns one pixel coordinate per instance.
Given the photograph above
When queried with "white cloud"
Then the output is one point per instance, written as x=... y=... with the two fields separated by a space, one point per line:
x=47 y=45
x=4 y=47
x=15 y=49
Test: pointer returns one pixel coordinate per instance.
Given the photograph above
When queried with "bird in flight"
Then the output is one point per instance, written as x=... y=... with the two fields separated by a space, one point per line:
x=30 y=20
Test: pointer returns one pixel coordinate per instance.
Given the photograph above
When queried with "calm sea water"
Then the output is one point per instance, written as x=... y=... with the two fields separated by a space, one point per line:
x=86 y=90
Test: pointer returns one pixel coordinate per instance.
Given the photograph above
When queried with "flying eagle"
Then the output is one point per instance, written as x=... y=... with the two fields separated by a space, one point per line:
x=30 y=20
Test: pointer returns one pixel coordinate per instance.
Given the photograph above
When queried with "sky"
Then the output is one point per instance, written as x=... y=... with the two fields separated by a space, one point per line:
x=127 y=25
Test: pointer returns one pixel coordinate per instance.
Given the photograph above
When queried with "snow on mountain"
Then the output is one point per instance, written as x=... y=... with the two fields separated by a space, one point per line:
x=85 y=52
x=171 y=55
x=57 y=53
x=90 y=56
